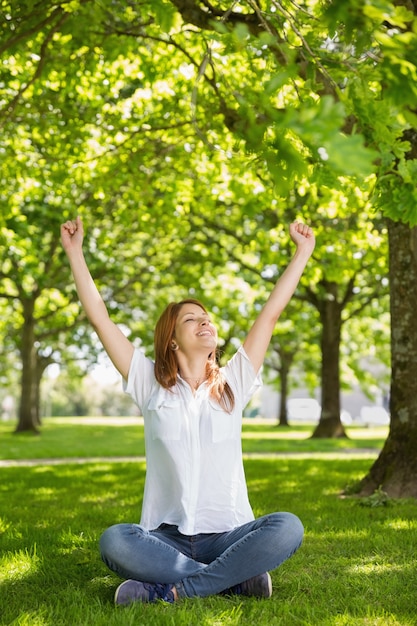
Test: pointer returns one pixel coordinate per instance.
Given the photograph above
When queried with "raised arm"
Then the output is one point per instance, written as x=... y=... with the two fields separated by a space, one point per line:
x=116 y=344
x=259 y=336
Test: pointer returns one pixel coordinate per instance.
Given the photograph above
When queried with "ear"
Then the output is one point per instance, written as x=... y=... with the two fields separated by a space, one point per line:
x=174 y=346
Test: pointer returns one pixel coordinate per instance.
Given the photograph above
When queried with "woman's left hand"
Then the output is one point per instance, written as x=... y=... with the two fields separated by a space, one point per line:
x=303 y=236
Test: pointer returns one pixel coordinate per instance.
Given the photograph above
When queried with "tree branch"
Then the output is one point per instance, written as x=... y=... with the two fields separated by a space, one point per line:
x=210 y=16
x=8 y=109
x=17 y=39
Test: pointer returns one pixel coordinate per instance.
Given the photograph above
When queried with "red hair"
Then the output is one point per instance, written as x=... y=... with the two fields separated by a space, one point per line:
x=166 y=364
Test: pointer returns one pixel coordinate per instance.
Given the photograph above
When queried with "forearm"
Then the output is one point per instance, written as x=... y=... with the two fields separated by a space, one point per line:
x=89 y=296
x=259 y=336
x=285 y=286
x=117 y=346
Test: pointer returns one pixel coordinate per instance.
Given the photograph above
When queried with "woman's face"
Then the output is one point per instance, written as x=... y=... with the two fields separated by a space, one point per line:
x=194 y=330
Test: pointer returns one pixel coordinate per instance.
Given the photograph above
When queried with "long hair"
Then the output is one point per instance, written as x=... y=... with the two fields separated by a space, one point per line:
x=166 y=364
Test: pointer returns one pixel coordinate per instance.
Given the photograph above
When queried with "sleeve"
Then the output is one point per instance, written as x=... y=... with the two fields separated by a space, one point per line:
x=141 y=378
x=241 y=376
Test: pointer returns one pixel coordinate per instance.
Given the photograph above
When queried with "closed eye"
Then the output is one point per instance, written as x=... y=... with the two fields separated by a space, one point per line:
x=193 y=319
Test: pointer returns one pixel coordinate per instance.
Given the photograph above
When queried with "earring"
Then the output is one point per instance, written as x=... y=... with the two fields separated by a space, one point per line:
x=174 y=346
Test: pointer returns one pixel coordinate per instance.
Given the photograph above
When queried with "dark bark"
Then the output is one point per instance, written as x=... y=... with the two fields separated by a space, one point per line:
x=284 y=371
x=206 y=16
x=28 y=407
x=395 y=470
x=330 y=310
x=281 y=362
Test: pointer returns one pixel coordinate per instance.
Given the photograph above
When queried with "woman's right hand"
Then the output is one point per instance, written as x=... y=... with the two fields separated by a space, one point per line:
x=72 y=234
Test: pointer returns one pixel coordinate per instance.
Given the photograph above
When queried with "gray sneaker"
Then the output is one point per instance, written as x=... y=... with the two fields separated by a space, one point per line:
x=135 y=591
x=258 y=587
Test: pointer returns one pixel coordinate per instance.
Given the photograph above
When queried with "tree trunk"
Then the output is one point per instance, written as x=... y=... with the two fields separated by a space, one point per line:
x=283 y=378
x=330 y=315
x=28 y=413
x=395 y=470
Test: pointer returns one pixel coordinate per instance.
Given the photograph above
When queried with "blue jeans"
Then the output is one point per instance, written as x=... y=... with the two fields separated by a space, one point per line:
x=204 y=564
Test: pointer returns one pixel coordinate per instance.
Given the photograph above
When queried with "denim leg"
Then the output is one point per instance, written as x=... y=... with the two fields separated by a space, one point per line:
x=201 y=565
x=246 y=551
x=133 y=552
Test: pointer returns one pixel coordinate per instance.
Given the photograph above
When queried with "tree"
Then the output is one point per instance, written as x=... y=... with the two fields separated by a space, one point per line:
x=395 y=470
x=57 y=120
x=365 y=59
x=290 y=343
x=271 y=88
x=300 y=141
x=348 y=273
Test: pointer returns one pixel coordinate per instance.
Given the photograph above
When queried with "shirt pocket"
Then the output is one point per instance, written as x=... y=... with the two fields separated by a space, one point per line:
x=222 y=423
x=165 y=418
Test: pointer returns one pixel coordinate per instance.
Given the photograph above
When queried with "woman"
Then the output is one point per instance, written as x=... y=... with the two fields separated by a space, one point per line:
x=197 y=535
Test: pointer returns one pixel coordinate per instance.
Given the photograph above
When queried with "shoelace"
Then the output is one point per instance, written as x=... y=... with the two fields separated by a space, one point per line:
x=159 y=592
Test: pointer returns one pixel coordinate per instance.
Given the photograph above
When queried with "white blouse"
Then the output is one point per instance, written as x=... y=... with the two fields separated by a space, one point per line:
x=194 y=475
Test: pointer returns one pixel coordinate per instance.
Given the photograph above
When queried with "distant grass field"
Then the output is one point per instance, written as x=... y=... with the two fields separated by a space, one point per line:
x=357 y=565
x=123 y=437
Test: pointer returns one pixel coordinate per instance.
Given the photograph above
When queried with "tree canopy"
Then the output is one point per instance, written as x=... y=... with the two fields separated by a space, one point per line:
x=188 y=134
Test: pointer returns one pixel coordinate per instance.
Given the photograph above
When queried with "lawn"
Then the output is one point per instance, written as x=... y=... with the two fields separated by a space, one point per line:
x=123 y=437
x=357 y=565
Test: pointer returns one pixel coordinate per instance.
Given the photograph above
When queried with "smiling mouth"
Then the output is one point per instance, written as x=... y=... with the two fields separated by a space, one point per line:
x=203 y=333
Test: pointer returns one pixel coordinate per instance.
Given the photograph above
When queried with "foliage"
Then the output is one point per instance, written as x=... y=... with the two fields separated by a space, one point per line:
x=378 y=498
x=187 y=136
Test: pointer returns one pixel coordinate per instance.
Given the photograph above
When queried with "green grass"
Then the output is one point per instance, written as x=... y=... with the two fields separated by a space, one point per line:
x=357 y=565
x=74 y=437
